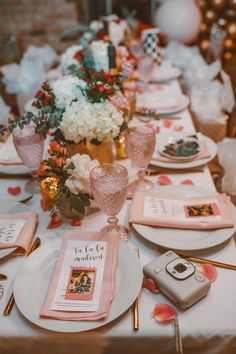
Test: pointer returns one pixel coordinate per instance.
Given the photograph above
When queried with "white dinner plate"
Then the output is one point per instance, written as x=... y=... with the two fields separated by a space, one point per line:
x=172 y=139
x=14 y=169
x=9 y=207
x=33 y=279
x=162 y=138
x=21 y=197
x=182 y=239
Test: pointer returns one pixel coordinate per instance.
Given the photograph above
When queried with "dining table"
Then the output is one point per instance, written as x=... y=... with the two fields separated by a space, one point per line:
x=207 y=327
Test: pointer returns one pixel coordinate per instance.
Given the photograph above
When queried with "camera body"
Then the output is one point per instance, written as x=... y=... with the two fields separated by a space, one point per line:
x=178 y=279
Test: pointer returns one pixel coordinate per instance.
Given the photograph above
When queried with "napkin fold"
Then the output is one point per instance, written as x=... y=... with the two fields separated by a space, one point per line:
x=26 y=235
x=157 y=101
x=8 y=154
x=108 y=286
x=208 y=212
x=205 y=153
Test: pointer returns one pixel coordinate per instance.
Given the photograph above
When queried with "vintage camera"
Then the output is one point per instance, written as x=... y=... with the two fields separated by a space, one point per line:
x=178 y=279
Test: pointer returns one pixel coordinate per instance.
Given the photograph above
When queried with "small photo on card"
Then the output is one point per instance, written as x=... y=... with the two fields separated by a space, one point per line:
x=81 y=284
x=201 y=210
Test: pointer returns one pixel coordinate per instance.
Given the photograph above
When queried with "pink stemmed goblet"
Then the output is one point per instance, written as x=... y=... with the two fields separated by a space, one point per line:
x=109 y=185
x=145 y=69
x=29 y=147
x=140 y=145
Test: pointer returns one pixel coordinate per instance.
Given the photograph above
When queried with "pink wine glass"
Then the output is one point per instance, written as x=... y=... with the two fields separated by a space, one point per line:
x=136 y=49
x=145 y=69
x=29 y=147
x=109 y=185
x=140 y=144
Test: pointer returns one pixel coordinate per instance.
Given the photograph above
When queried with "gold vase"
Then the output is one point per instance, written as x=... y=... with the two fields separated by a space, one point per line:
x=102 y=152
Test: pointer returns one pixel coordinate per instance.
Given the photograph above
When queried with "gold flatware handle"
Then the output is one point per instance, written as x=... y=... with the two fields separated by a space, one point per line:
x=11 y=300
x=152 y=172
x=3 y=277
x=200 y=260
x=135 y=305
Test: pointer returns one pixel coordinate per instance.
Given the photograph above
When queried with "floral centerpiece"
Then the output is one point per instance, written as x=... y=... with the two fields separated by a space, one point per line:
x=65 y=185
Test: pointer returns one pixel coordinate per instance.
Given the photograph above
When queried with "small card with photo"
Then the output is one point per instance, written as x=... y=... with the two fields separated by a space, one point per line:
x=80 y=280
x=201 y=210
x=10 y=230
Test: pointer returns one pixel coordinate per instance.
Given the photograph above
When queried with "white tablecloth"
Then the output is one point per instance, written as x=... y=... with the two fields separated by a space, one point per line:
x=208 y=327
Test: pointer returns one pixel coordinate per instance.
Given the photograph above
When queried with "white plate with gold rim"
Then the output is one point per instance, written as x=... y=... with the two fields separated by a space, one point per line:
x=184 y=239
x=33 y=279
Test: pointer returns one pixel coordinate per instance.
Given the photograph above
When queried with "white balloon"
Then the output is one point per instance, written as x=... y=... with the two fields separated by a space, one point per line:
x=179 y=19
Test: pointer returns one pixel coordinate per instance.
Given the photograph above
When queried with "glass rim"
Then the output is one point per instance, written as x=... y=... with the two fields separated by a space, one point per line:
x=108 y=165
x=20 y=133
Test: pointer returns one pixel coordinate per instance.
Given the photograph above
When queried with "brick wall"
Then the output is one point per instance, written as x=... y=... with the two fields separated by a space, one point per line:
x=36 y=22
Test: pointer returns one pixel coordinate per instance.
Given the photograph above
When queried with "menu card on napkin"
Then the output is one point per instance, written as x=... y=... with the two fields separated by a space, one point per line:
x=17 y=230
x=208 y=212
x=83 y=284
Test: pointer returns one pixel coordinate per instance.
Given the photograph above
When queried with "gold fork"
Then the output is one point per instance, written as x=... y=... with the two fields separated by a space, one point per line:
x=199 y=260
x=135 y=304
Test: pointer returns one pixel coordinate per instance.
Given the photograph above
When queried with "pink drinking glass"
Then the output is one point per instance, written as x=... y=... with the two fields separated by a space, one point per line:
x=109 y=185
x=140 y=144
x=29 y=147
x=145 y=69
x=136 y=49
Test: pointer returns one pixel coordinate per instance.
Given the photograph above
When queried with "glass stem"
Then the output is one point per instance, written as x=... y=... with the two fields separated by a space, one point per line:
x=112 y=220
x=34 y=173
x=141 y=173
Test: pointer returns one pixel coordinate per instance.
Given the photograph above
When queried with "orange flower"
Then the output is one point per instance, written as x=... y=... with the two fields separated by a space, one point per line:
x=63 y=150
x=59 y=161
x=42 y=170
x=54 y=146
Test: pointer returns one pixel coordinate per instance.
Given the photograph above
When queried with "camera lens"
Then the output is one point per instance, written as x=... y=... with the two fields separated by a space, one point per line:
x=180 y=267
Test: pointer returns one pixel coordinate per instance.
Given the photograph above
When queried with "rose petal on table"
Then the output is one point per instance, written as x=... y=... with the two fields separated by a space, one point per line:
x=187 y=181
x=14 y=190
x=56 y=221
x=76 y=223
x=44 y=205
x=208 y=270
x=178 y=128
x=167 y=123
x=150 y=285
x=157 y=129
x=164 y=180
x=149 y=125
x=164 y=313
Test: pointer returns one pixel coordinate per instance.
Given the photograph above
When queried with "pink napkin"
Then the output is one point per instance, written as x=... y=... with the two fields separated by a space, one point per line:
x=8 y=154
x=108 y=287
x=221 y=209
x=155 y=101
x=26 y=235
x=203 y=155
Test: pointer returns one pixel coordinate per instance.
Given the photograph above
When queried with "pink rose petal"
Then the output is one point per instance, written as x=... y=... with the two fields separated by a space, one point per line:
x=14 y=190
x=149 y=284
x=187 y=181
x=179 y=128
x=157 y=129
x=164 y=313
x=149 y=125
x=209 y=271
x=167 y=123
x=164 y=180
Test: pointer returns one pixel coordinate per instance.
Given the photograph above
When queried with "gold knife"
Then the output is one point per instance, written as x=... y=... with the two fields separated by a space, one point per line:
x=135 y=306
x=200 y=260
x=11 y=300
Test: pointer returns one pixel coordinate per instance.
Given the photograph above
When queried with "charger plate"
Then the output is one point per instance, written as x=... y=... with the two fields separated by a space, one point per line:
x=182 y=239
x=34 y=277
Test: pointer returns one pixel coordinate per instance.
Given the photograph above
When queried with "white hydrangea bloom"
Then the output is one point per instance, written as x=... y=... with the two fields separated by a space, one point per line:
x=78 y=182
x=67 y=58
x=91 y=121
x=67 y=90
x=100 y=55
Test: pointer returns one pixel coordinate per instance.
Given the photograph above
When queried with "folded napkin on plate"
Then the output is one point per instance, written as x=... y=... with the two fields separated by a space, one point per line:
x=156 y=101
x=205 y=153
x=26 y=235
x=8 y=154
x=162 y=73
x=108 y=281
x=208 y=212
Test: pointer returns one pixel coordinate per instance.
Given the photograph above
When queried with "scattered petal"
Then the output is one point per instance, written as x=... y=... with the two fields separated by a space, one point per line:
x=14 y=190
x=208 y=270
x=179 y=128
x=157 y=129
x=167 y=123
x=187 y=181
x=76 y=223
x=164 y=180
x=44 y=205
x=56 y=221
x=149 y=125
x=149 y=284
x=164 y=313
